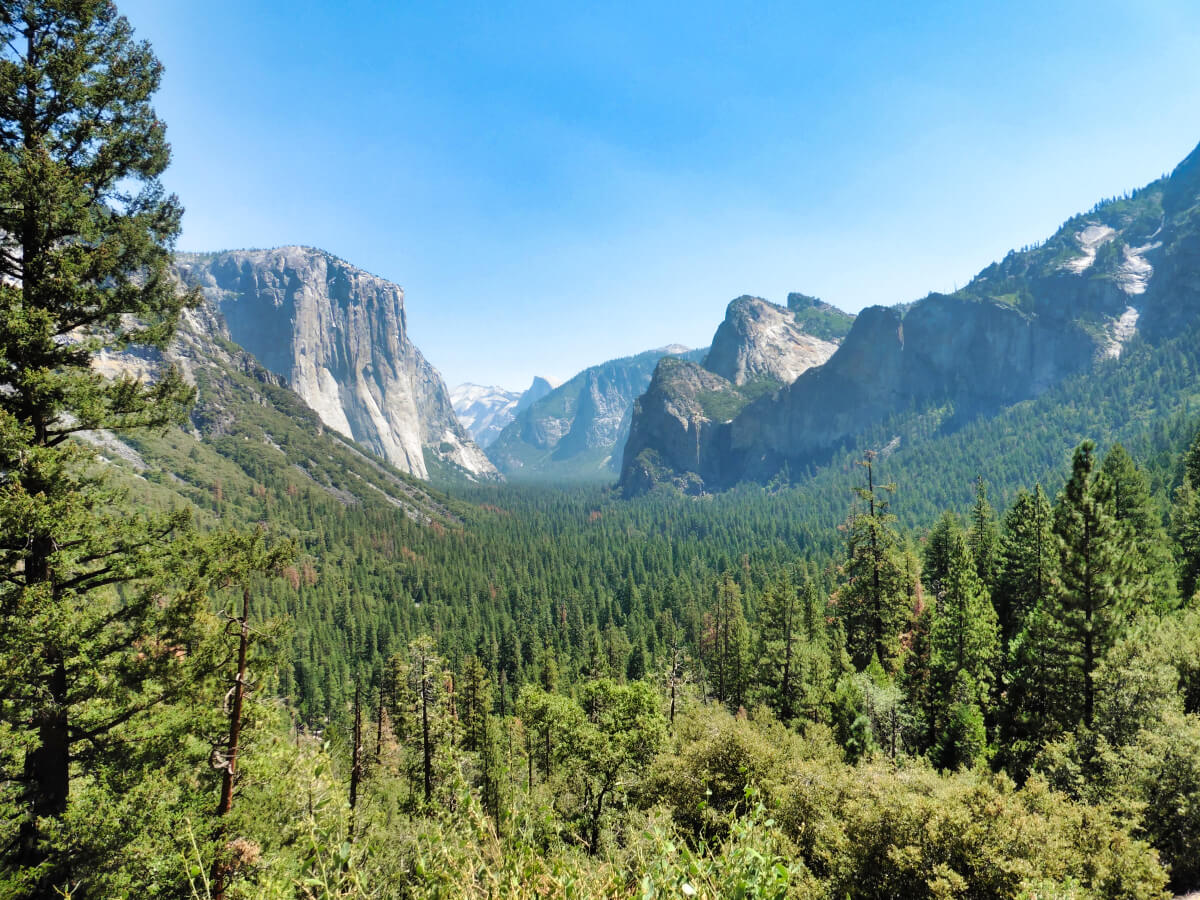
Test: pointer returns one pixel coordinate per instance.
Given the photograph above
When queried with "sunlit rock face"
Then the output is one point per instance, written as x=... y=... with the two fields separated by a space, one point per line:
x=338 y=335
x=761 y=340
x=1129 y=269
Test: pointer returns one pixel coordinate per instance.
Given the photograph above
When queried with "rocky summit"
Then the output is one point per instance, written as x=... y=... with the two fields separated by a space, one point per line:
x=678 y=432
x=485 y=410
x=338 y=336
x=759 y=340
x=1125 y=270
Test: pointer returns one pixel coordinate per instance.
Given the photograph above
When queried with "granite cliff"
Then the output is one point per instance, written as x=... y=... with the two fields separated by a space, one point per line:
x=251 y=443
x=338 y=336
x=759 y=340
x=679 y=430
x=578 y=430
x=1127 y=270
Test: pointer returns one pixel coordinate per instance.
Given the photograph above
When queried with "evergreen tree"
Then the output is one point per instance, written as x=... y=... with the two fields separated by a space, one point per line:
x=873 y=600
x=964 y=636
x=1130 y=493
x=936 y=556
x=85 y=238
x=983 y=537
x=963 y=742
x=1098 y=590
x=1028 y=566
x=1134 y=509
x=475 y=706
x=794 y=669
x=1185 y=522
x=1185 y=528
x=726 y=642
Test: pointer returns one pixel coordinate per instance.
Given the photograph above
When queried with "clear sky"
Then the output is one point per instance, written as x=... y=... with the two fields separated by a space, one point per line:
x=556 y=184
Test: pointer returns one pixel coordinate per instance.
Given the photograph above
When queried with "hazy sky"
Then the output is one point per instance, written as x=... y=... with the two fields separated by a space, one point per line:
x=556 y=184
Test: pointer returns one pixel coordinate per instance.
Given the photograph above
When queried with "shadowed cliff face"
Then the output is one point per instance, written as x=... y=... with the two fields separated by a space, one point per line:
x=681 y=427
x=577 y=431
x=1131 y=266
x=339 y=337
x=680 y=433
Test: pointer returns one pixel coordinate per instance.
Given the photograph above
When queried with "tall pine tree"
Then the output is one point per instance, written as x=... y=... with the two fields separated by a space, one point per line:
x=1098 y=583
x=1028 y=566
x=91 y=602
x=872 y=602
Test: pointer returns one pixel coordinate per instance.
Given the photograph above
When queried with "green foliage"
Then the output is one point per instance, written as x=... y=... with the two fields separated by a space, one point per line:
x=875 y=832
x=873 y=601
x=964 y=634
x=1098 y=586
x=1028 y=563
x=819 y=319
x=983 y=536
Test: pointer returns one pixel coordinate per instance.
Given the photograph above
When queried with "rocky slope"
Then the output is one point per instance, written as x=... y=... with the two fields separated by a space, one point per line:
x=579 y=429
x=485 y=410
x=1129 y=267
x=678 y=430
x=338 y=336
x=252 y=443
x=759 y=340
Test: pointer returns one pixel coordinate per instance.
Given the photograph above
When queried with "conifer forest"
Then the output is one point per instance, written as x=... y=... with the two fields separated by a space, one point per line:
x=243 y=657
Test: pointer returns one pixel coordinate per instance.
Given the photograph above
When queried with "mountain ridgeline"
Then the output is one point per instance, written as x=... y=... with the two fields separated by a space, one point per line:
x=576 y=432
x=1126 y=271
x=339 y=337
x=485 y=410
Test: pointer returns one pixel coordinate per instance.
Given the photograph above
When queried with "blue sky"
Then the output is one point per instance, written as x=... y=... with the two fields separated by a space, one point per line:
x=556 y=184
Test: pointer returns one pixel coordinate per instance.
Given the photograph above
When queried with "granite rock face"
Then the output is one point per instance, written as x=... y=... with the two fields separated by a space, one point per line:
x=760 y=340
x=485 y=410
x=1130 y=267
x=578 y=430
x=682 y=426
x=339 y=336
x=678 y=432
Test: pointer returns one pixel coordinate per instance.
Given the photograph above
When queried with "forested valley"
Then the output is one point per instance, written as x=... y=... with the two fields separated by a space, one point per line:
x=240 y=658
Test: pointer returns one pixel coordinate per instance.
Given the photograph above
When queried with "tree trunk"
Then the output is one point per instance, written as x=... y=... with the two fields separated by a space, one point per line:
x=426 y=745
x=225 y=804
x=356 y=756
x=379 y=725
x=785 y=687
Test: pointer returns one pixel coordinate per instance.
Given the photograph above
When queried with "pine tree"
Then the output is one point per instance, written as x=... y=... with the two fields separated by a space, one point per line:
x=964 y=636
x=1185 y=523
x=936 y=556
x=85 y=239
x=476 y=702
x=1185 y=528
x=777 y=650
x=873 y=600
x=725 y=647
x=1098 y=589
x=1131 y=492
x=982 y=537
x=963 y=742
x=793 y=656
x=1028 y=566
x=1134 y=509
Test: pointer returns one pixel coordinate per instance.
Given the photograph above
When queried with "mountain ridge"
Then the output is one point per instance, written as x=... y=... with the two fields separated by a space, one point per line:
x=1021 y=326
